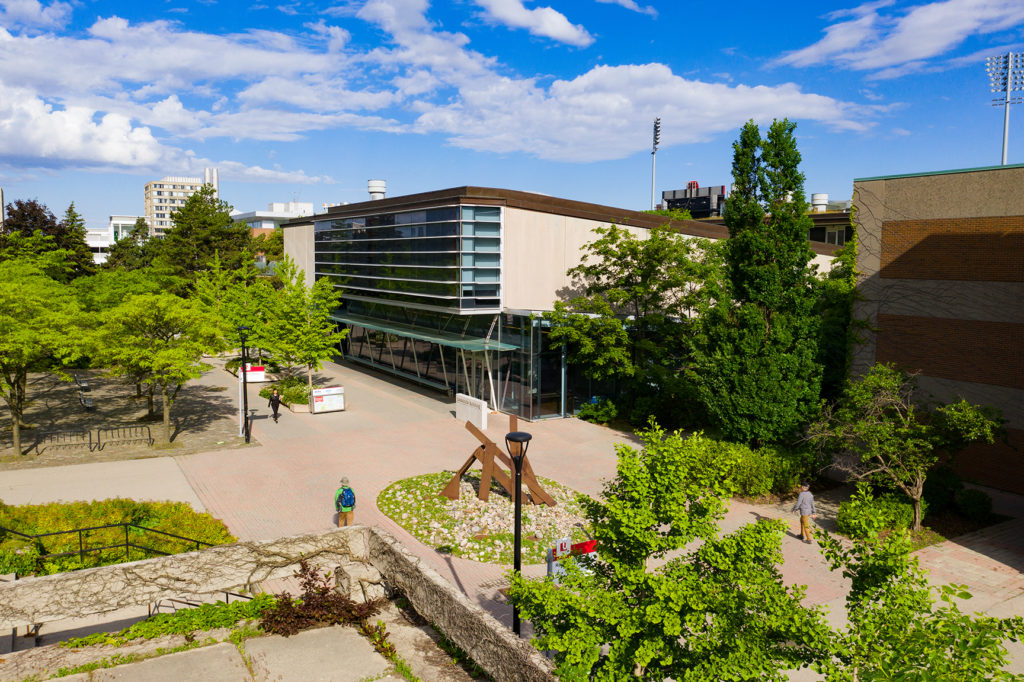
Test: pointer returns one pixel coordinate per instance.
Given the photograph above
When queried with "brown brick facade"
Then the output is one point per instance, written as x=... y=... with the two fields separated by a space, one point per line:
x=1000 y=465
x=984 y=249
x=963 y=350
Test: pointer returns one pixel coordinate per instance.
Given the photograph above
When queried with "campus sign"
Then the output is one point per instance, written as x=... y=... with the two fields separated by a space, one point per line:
x=329 y=399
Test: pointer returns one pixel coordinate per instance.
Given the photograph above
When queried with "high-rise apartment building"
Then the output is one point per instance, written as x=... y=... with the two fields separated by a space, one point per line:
x=167 y=195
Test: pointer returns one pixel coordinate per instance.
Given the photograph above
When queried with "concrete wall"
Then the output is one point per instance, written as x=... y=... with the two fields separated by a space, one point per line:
x=298 y=245
x=363 y=559
x=941 y=263
x=539 y=248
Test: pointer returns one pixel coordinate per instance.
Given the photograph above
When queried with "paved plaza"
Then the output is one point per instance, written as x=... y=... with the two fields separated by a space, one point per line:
x=390 y=430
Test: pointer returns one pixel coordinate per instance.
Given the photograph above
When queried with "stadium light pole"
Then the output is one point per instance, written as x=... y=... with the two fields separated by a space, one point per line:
x=1006 y=75
x=654 y=151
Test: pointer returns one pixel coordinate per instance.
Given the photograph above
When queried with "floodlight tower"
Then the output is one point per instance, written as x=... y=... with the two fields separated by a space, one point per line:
x=654 y=150
x=1006 y=75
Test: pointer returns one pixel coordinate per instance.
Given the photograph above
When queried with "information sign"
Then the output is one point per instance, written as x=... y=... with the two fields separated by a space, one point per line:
x=329 y=399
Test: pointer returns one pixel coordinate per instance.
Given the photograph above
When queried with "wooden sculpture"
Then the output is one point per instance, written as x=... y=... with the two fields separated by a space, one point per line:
x=487 y=453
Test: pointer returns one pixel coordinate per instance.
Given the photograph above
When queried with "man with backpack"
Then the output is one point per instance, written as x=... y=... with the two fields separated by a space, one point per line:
x=345 y=503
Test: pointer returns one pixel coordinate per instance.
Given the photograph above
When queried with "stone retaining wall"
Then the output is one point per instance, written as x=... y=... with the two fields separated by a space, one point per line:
x=363 y=559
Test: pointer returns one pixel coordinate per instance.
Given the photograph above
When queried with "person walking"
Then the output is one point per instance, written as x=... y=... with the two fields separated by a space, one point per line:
x=805 y=505
x=345 y=503
x=275 y=403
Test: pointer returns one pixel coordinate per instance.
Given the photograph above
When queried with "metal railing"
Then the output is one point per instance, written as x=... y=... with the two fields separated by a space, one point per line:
x=128 y=545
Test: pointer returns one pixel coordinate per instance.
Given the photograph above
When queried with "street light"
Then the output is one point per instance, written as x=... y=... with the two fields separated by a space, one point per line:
x=243 y=332
x=522 y=441
x=1006 y=74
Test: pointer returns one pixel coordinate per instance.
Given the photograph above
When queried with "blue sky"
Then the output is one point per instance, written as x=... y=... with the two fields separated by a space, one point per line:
x=307 y=100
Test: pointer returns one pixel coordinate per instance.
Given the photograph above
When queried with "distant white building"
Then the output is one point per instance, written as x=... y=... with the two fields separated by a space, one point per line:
x=276 y=213
x=169 y=194
x=100 y=240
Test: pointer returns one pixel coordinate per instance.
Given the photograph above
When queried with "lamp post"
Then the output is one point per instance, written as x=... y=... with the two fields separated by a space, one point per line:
x=243 y=332
x=522 y=441
x=1006 y=75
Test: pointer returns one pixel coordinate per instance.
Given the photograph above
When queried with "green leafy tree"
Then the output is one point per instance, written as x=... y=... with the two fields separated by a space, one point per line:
x=755 y=363
x=159 y=340
x=38 y=331
x=109 y=288
x=894 y=440
x=271 y=245
x=895 y=631
x=635 y=297
x=673 y=213
x=135 y=250
x=37 y=249
x=299 y=329
x=235 y=298
x=202 y=228
x=27 y=218
x=668 y=595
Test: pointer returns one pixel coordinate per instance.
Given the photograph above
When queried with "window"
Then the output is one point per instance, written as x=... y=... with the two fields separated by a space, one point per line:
x=836 y=236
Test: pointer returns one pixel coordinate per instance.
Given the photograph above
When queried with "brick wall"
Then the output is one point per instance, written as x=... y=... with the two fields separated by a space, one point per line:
x=972 y=249
x=999 y=466
x=965 y=350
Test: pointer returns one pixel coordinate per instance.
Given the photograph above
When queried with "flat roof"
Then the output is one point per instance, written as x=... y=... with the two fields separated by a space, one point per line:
x=443 y=338
x=940 y=172
x=492 y=196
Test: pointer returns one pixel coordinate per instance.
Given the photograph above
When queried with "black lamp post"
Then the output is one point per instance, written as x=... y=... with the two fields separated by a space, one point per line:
x=243 y=332
x=522 y=439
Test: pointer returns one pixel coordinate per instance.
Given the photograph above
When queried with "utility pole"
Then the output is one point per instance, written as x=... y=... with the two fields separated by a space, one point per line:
x=654 y=151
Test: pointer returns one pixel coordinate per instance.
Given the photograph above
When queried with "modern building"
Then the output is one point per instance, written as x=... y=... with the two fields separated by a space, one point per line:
x=941 y=263
x=701 y=202
x=447 y=288
x=277 y=213
x=164 y=196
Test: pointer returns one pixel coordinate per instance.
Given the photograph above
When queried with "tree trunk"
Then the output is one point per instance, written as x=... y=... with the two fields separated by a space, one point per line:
x=150 y=404
x=309 y=377
x=167 y=413
x=138 y=390
x=16 y=432
x=917 y=514
x=916 y=493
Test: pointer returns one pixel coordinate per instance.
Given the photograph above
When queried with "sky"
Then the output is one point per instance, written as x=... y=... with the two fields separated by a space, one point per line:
x=306 y=101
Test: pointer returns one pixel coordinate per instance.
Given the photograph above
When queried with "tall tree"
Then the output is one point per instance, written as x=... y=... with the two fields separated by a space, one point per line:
x=202 y=228
x=299 y=329
x=668 y=595
x=38 y=321
x=895 y=441
x=635 y=299
x=160 y=340
x=755 y=359
x=71 y=236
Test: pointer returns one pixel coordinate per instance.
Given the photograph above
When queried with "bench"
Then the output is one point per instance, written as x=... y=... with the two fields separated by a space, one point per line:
x=64 y=440
x=86 y=401
x=123 y=435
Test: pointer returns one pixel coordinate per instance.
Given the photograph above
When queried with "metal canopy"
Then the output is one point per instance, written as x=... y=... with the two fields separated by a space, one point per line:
x=443 y=338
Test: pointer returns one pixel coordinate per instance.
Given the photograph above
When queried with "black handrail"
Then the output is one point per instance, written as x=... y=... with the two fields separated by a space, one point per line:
x=128 y=545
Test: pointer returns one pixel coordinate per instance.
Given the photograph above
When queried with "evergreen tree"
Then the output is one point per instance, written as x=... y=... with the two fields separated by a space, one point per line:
x=203 y=227
x=755 y=363
x=134 y=250
x=71 y=237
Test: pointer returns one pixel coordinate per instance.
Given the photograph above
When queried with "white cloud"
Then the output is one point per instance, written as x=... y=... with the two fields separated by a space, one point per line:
x=540 y=21
x=632 y=4
x=606 y=112
x=897 y=43
x=33 y=15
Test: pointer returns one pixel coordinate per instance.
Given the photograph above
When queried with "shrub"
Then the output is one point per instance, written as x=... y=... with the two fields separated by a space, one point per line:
x=293 y=390
x=941 y=488
x=974 y=504
x=319 y=605
x=864 y=515
x=177 y=518
x=600 y=412
x=770 y=469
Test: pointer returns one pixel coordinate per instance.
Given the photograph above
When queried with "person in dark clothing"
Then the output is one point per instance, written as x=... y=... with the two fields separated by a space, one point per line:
x=275 y=403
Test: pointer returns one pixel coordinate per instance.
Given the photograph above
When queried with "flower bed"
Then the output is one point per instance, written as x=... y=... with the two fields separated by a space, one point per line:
x=478 y=530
